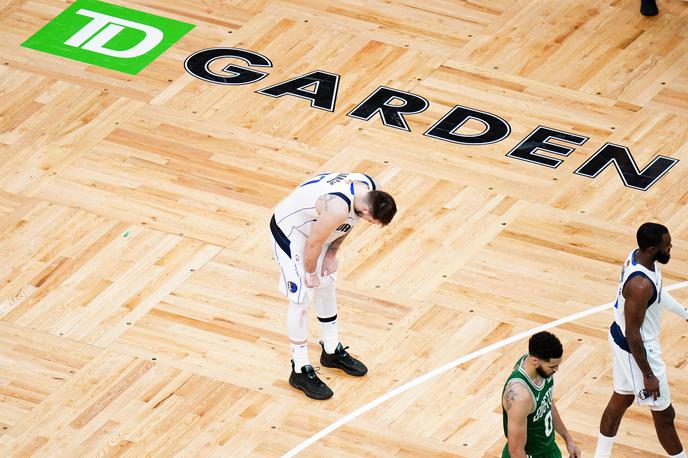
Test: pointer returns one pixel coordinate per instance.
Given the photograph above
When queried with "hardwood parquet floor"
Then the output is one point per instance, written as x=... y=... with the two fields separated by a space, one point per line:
x=139 y=314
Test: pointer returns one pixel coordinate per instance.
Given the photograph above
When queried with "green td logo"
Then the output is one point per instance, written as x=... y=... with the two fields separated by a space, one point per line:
x=108 y=36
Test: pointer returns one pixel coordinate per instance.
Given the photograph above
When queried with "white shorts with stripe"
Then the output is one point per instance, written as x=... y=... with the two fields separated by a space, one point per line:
x=628 y=379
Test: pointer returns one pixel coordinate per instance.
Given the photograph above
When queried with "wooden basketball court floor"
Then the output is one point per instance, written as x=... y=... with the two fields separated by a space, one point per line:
x=139 y=314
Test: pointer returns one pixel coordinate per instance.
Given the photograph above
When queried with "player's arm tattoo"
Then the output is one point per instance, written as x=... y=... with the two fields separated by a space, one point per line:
x=509 y=397
x=334 y=246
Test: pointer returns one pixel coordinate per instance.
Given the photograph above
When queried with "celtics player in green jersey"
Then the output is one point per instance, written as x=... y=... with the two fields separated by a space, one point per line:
x=529 y=415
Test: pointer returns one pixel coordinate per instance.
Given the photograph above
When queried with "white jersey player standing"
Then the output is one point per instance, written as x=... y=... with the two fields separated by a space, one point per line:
x=639 y=372
x=308 y=227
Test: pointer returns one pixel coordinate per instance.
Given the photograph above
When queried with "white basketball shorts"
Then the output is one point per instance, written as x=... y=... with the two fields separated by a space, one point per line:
x=628 y=379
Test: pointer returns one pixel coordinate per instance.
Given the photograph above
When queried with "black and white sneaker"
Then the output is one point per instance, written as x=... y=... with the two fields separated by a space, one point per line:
x=308 y=382
x=340 y=359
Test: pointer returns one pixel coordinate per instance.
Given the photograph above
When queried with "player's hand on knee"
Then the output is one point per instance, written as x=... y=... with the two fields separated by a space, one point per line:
x=312 y=280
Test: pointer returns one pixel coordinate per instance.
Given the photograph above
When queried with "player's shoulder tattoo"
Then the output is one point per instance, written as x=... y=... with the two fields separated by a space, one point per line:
x=513 y=393
x=326 y=200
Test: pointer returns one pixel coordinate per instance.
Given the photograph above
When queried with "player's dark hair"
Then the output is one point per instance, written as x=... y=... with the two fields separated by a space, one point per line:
x=382 y=206
x=545 y=346
x=650 y=234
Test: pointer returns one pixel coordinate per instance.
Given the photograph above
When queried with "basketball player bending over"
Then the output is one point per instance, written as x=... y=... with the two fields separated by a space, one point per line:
x=308 y=227
x=639 y=373
x=528 y=411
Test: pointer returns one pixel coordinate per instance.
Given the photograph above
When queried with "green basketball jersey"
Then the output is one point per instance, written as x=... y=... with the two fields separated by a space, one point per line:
x=540 y=434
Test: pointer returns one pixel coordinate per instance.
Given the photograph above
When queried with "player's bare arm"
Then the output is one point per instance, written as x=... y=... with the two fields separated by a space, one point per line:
x=560 y=428
x=334 y=246
x=332 y=211
x=330 y=261
x=637 y=293
x=518 y=403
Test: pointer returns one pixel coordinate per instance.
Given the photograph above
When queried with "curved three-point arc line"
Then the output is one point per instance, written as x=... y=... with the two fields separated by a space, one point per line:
x=450 y=365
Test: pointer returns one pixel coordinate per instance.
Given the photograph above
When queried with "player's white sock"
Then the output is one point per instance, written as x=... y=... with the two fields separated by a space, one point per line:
x=680 y=455
x=329 y=333
x=326 y=310
x=604 y=446
x=297 y=329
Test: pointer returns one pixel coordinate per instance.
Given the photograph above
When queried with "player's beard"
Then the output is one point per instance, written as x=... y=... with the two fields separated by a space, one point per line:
x=662 y=258
x=541 y=372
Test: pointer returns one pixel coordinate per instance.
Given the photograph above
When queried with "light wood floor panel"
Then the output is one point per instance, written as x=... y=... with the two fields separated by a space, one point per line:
x=588 y=45
x=84 y=277
x=672 y=97
x=139 y=311
x=438 y=27
x=56 y=126
x=34 y=365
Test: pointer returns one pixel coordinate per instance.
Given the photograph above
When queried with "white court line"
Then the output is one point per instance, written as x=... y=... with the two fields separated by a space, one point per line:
x=450 y=365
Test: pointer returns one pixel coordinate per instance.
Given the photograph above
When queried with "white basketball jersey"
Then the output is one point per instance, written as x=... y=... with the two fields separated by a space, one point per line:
x=296 y=214
x=650 y=328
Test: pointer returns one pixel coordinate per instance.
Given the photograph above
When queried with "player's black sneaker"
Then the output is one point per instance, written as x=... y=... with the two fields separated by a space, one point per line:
x=648 y=8
x=308 y=382
x=340 y=359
